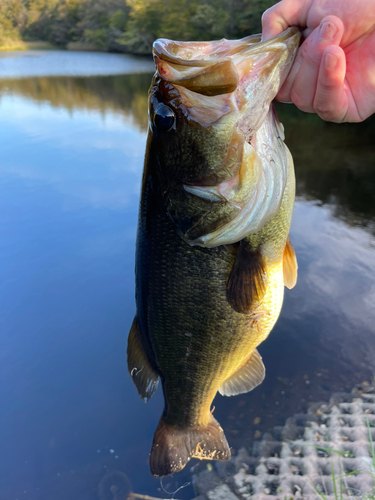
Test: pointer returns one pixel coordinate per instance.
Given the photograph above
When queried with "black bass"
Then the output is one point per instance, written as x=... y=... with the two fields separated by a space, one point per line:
x=213 y=251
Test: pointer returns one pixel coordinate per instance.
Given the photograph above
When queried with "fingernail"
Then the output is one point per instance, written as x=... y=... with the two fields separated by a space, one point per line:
x=327 y=31
x=330 y=61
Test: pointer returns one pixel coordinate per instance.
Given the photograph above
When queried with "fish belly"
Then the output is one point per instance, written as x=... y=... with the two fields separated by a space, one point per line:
x=197 y=339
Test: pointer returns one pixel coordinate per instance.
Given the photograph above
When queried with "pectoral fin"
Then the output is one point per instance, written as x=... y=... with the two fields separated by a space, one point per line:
x=290 y=265
x=247 y=279
x=144 y=377
x=246 y=378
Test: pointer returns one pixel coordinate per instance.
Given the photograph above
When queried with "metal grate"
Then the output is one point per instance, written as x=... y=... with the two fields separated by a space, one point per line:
x=294 y=461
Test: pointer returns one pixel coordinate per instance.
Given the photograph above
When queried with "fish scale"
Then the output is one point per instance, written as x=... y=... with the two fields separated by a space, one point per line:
x=175 y=308
x=213 y=255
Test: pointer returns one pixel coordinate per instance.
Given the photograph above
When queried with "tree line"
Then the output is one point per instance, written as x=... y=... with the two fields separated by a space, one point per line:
x=127 y=25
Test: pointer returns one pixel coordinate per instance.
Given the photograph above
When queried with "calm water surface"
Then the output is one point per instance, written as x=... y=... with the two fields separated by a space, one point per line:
x=70 y=170
x=63 y=63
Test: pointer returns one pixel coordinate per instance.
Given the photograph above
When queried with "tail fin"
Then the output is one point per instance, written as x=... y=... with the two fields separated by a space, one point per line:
x=172 y=448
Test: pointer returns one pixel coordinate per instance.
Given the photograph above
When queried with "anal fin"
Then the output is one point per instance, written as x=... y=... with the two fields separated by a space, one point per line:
x=290 y=265
x=246 y=378
x=247 y=280
x=144 y=377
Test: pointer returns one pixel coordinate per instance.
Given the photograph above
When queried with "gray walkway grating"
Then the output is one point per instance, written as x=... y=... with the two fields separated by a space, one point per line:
x=287 y=463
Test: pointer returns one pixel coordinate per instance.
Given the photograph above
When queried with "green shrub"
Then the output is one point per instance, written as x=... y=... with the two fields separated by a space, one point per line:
x=98 y=38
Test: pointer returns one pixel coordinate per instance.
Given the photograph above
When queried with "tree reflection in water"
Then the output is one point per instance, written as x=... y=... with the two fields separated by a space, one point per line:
x=69 y=269
x=125 y=94
x=334 y=164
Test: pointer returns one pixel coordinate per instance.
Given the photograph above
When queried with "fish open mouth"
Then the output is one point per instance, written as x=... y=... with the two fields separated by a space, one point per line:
x=229 y=85
x=187 y=59
x=219 y=77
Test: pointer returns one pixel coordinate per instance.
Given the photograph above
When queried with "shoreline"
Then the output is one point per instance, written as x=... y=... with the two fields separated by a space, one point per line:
x=22 y=46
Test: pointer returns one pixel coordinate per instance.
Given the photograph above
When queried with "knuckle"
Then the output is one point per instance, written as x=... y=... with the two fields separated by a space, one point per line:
x=325 y=101
x=312 y=59
x=328 y=116
x=283 y=95
x=323 y=108
x=327 y=111
x=310 y=53
x=267 y=15
x=326 y=86
x=300 y=101
x=303 y=50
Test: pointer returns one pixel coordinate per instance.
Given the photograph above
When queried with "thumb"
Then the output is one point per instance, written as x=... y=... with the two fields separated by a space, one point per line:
x=272 y=24
x=282 y=15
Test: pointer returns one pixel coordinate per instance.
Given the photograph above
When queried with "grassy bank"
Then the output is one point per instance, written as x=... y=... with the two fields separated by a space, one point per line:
x=11 y=45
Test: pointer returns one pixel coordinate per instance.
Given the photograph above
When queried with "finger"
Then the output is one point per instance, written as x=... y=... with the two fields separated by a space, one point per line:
x=331 y=100
x=284 y=92
x=303 y=90
x=282 y=15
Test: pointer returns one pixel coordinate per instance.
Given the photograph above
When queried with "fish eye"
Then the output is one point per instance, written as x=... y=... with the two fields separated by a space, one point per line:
x=164 y=118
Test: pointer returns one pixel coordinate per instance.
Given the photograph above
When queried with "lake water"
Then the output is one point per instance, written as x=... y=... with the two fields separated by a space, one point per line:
x=71 y=154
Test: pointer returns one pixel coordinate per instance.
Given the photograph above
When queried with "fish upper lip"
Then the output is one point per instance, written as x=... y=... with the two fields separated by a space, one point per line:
x=221 y=67
x=204 y=54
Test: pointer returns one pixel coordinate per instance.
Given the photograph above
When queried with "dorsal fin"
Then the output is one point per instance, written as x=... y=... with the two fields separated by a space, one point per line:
x=144 y=377
x=247 y=280
x=246 y=378
x=290 y=265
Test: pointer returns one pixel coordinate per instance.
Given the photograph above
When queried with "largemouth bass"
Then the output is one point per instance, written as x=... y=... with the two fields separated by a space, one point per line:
x=213 y=252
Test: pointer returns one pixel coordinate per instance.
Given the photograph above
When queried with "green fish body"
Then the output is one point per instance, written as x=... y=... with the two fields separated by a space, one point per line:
x=213 y=252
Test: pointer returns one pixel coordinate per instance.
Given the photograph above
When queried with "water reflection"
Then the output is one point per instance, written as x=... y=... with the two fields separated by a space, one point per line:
x=69 y=182
x=334 y=164
x=63 y=63
x=70 y=168
x=324 y=340
x=125 y=94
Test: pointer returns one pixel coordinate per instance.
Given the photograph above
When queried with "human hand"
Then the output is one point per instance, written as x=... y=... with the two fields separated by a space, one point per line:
x=334 y=70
